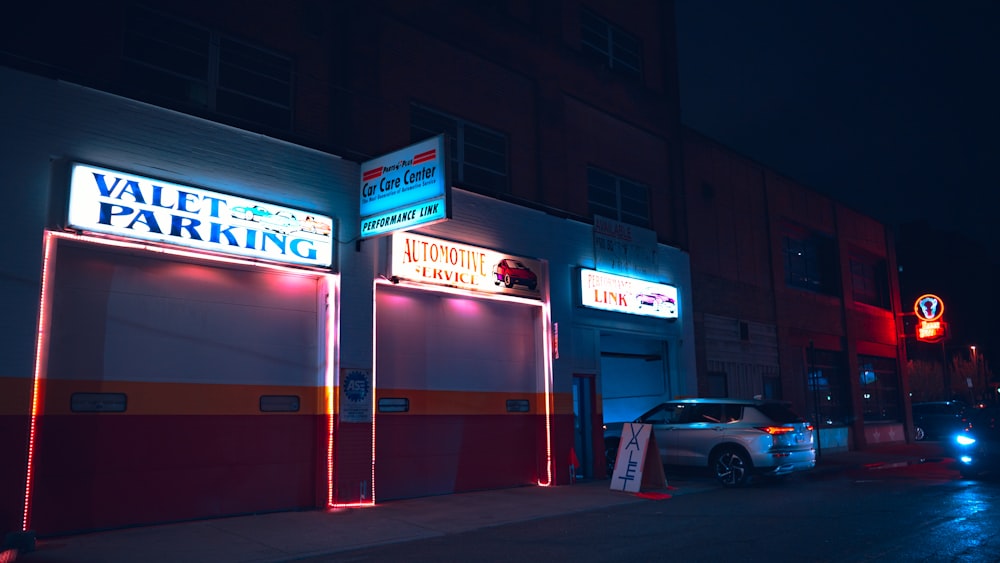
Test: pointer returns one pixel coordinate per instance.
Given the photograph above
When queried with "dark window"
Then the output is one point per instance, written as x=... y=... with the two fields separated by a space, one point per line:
x=620 y=50
x=744 y=331
x=717 y=383
x=870 y=281
x=617 y=198
x=772 y=387
x=879 y=388
x=810 y=263
x=828 y=388
x=168 y=59
x=478 y=155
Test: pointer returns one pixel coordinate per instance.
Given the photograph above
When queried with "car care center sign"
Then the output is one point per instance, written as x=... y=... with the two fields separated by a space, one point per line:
x=116 y=203
x=430 y=260
x=627 y=295
x=405 y=189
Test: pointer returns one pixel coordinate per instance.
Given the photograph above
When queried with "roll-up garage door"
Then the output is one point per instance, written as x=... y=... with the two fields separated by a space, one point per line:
x=175 y=390
x=468 y=373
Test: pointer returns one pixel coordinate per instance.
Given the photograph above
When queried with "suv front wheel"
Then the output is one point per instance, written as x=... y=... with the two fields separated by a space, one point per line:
x=732 y=467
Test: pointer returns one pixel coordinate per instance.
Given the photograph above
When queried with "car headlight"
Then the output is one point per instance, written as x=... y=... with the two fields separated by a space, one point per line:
x=964 y=440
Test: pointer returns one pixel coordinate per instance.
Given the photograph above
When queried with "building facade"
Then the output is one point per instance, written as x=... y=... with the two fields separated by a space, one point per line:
x=200 y=323
x=795 y=297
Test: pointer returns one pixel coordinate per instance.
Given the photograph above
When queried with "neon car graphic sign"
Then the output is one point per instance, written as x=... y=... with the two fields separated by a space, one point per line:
x=117 y=203
x=627 y=295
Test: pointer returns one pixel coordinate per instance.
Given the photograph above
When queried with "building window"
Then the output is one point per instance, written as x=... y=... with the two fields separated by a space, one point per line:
x=744 y=331
x=620 y=50
x=870 y=281
x=828 y=388
x=772 y=387
x=879 y=388
x=617 y=198
x=168 y=59
x=810 y=263
x=478 y=155
x=717 y=384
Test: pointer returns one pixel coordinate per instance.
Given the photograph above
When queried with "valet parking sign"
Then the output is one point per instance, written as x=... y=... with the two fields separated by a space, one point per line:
x=127 y=205
x=406 y=188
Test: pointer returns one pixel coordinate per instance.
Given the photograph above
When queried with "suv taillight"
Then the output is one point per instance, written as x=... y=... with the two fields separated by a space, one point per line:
x=775 y=430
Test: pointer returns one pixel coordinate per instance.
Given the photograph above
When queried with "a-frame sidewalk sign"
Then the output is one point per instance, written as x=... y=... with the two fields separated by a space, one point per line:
x=638 y=464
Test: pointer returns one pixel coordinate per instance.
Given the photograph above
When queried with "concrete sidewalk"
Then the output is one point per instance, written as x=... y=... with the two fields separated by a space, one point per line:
x=292 y=535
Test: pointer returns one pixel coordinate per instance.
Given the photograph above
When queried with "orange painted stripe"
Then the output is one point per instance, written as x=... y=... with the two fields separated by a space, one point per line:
x=562 y=403
x=423 y=402
x=167 y=398
x=158 y=398
x=15 y=396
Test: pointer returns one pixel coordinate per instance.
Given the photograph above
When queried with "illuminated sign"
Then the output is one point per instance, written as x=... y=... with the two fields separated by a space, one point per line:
x=116 y=203
x=431 y=260
x=928 y=307
x=627 y=295
x=405 y=188
x=931 y=331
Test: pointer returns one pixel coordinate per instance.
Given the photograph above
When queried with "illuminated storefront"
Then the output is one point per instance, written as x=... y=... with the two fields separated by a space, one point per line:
x=211 y=334
x=180 y=341
x=462 y=370
x=185 y=335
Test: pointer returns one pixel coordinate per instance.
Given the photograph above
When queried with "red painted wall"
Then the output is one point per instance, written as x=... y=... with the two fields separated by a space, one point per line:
x=97 y=471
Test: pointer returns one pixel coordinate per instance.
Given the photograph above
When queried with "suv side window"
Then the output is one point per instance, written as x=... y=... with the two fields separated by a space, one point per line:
x=701 y=413
x=664 y=414
x=732 y=413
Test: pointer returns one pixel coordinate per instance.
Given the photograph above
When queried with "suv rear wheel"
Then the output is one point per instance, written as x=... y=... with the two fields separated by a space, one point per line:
x=732 y=467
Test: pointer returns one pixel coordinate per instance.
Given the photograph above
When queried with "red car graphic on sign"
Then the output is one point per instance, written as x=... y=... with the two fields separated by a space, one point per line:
x=512 y=272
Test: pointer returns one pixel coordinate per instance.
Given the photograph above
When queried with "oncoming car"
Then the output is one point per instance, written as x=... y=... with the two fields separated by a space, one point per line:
x=735 y=439
x=976 y=447
x=938 y=420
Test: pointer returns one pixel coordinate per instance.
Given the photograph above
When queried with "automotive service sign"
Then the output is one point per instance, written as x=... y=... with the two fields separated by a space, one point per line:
x=430 y=260
x=627 y=295
x=116 y=203
x=406 y=188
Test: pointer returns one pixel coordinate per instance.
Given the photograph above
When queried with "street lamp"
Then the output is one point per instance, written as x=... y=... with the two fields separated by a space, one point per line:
x=975 y=364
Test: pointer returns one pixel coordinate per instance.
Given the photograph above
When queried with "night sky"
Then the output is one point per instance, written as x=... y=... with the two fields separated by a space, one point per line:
x=892 y=107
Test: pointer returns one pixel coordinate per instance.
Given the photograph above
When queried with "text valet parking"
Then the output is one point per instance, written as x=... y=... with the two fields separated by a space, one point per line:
x=127 y=205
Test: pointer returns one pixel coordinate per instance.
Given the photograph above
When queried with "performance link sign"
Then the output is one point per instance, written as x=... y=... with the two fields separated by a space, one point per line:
x=127 y=205
x=405 y=189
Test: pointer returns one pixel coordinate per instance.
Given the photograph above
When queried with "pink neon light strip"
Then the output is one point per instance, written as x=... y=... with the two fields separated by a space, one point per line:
x=546 y=359
x=41 y=343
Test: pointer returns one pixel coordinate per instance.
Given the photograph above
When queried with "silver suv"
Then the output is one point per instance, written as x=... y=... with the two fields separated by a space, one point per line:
x=734 y=438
